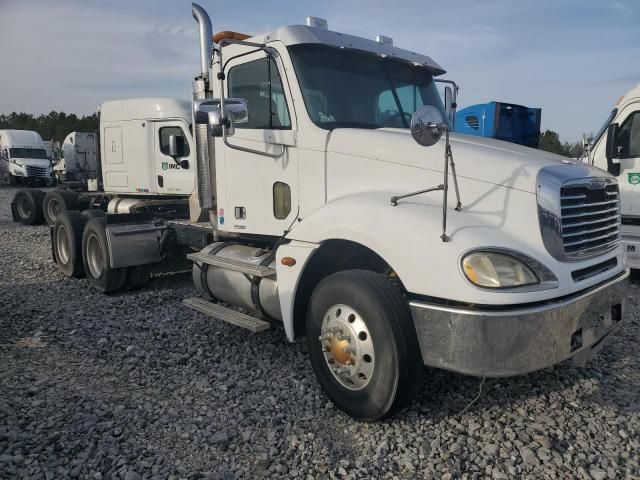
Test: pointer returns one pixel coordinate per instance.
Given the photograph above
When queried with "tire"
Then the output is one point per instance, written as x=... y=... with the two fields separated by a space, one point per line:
x=56 y=202
x=28 y=206
x=93 y=213
x=138 y=276
x=67 y=243
x=95 y=256
x=377 y=317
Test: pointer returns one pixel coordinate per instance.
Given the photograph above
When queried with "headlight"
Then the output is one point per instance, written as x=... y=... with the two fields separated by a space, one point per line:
x=497 y=270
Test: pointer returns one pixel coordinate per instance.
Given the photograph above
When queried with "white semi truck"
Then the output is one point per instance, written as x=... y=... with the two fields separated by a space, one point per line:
x=137 y=170
x=78 y=160
x=616 y=149
x=316 y=210
x=23 y=158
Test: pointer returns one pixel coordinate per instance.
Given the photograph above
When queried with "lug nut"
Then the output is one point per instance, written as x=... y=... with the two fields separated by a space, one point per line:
x=349 y=349
x=336 y=329
x=341 y=370
x=344 y=337
x=325 y=337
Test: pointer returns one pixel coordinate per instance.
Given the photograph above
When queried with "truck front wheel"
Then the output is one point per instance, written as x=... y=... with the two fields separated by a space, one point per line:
x=95 y=255
x=363 y=344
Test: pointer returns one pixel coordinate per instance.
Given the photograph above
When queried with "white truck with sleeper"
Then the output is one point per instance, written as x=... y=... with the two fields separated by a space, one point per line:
x=78 y=160
x=332 y=200
x=616 y=149
x=137 y=170
x=23 y=158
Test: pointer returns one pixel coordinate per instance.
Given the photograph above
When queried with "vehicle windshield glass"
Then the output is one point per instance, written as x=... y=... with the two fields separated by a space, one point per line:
x=28 y=153
x=605 y=125
x=345 y=88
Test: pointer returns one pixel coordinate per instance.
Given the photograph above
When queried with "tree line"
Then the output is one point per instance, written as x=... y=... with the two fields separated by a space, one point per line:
x=51 y=126
x=57 y=125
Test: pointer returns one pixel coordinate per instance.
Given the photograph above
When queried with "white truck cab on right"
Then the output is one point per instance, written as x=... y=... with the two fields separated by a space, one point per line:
x=327 y=201
x=616 y=149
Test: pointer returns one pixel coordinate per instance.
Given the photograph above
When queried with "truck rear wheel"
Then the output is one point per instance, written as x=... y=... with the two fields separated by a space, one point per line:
x=362 y=344
x=27 y=205
x=56 y=202
x=67 y=243
x=95 y=255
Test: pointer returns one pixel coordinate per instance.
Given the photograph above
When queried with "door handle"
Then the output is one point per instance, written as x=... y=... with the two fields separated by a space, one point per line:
x=160 y=181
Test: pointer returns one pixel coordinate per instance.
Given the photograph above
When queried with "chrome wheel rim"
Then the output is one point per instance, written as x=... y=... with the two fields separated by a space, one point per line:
x=63 y=245
x=94 y=256
x=53 y=208
x=24 y=207
x=347 y=347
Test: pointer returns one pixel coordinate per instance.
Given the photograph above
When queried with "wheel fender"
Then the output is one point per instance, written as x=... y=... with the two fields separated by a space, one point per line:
x=289 y=277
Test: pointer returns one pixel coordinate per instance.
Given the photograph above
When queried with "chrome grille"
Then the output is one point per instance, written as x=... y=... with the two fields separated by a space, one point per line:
x=36 y=171
x=590 y=217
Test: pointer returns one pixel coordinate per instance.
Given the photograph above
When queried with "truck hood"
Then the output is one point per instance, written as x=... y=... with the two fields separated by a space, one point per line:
x=477 y=158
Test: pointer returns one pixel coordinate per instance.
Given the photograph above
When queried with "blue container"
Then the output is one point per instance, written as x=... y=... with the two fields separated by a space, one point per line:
x=503 y=121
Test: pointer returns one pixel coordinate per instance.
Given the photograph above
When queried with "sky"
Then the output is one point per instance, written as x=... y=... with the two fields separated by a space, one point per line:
x=572 y=58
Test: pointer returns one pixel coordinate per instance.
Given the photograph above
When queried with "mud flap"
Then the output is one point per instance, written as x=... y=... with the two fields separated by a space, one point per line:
x=14 y=211
x=133 y=244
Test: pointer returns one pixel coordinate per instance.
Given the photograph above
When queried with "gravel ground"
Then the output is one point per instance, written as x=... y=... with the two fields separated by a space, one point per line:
x=135 y=386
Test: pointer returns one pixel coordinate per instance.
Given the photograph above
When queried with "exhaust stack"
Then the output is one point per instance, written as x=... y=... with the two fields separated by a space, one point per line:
x=205 y=31
x=205 y=168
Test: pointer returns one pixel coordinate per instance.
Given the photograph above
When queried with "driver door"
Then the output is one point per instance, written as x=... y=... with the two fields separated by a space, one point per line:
x=627 y=146
x=171 y=178
x=260 y=193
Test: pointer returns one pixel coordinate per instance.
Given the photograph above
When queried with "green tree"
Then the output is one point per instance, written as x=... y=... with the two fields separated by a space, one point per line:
x=550 y=142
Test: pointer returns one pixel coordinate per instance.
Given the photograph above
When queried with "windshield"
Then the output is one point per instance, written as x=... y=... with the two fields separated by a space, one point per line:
x=605 y=125
x=28 y=153
x=357 y=89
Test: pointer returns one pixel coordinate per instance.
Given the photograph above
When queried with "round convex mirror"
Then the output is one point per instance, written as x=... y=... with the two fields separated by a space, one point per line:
x=424 y=125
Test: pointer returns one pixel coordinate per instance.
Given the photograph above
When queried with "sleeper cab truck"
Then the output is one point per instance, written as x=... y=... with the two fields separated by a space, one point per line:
x=324 y=216
x=615 y=148
x=145 y=163
x=23 y=158
x=78 y=160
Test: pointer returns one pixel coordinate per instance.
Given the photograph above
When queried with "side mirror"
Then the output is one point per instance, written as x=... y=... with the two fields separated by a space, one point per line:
x=450 y=104
x=4 y=155
x=184 y=164
x=612 y=150
x=427 y=125
x=207 y=112
x=173 y=146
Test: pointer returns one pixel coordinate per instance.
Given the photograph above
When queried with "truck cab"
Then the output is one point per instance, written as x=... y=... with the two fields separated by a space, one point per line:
x=323 y=164
x=23 y=158
x=616 y=148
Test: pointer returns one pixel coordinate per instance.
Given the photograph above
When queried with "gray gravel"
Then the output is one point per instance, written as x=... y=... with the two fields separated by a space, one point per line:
x=136 y=386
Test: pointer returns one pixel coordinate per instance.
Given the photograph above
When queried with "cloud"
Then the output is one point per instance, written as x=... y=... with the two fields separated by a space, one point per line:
x=622 y=7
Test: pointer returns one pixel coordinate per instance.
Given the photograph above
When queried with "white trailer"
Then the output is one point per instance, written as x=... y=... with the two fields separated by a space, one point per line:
x=315 y=210
x=23 y=158
x=616 y=149
x=146 y=158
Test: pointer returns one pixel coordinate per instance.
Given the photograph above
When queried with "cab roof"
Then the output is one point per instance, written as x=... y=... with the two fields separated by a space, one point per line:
x=145 y=109
x=20 y=138
x=302 y=34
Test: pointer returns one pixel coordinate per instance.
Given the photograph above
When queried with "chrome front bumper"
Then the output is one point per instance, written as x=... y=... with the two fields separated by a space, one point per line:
x=501 y=343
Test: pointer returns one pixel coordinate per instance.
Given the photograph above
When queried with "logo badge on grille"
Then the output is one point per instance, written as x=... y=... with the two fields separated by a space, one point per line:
x=597 y=184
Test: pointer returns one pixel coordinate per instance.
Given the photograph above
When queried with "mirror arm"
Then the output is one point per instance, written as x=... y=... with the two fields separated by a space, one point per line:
x=226 y=122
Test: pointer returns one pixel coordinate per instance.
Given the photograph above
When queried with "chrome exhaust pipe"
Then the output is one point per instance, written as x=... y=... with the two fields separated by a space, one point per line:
x=205 y=31
x=205 y=164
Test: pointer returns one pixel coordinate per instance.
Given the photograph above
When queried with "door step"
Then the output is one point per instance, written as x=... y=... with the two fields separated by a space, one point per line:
x=227 y=314
x=232 y=264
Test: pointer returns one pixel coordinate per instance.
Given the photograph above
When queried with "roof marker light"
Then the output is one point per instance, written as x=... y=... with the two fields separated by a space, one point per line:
x=317 y=22
x=384 y=40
